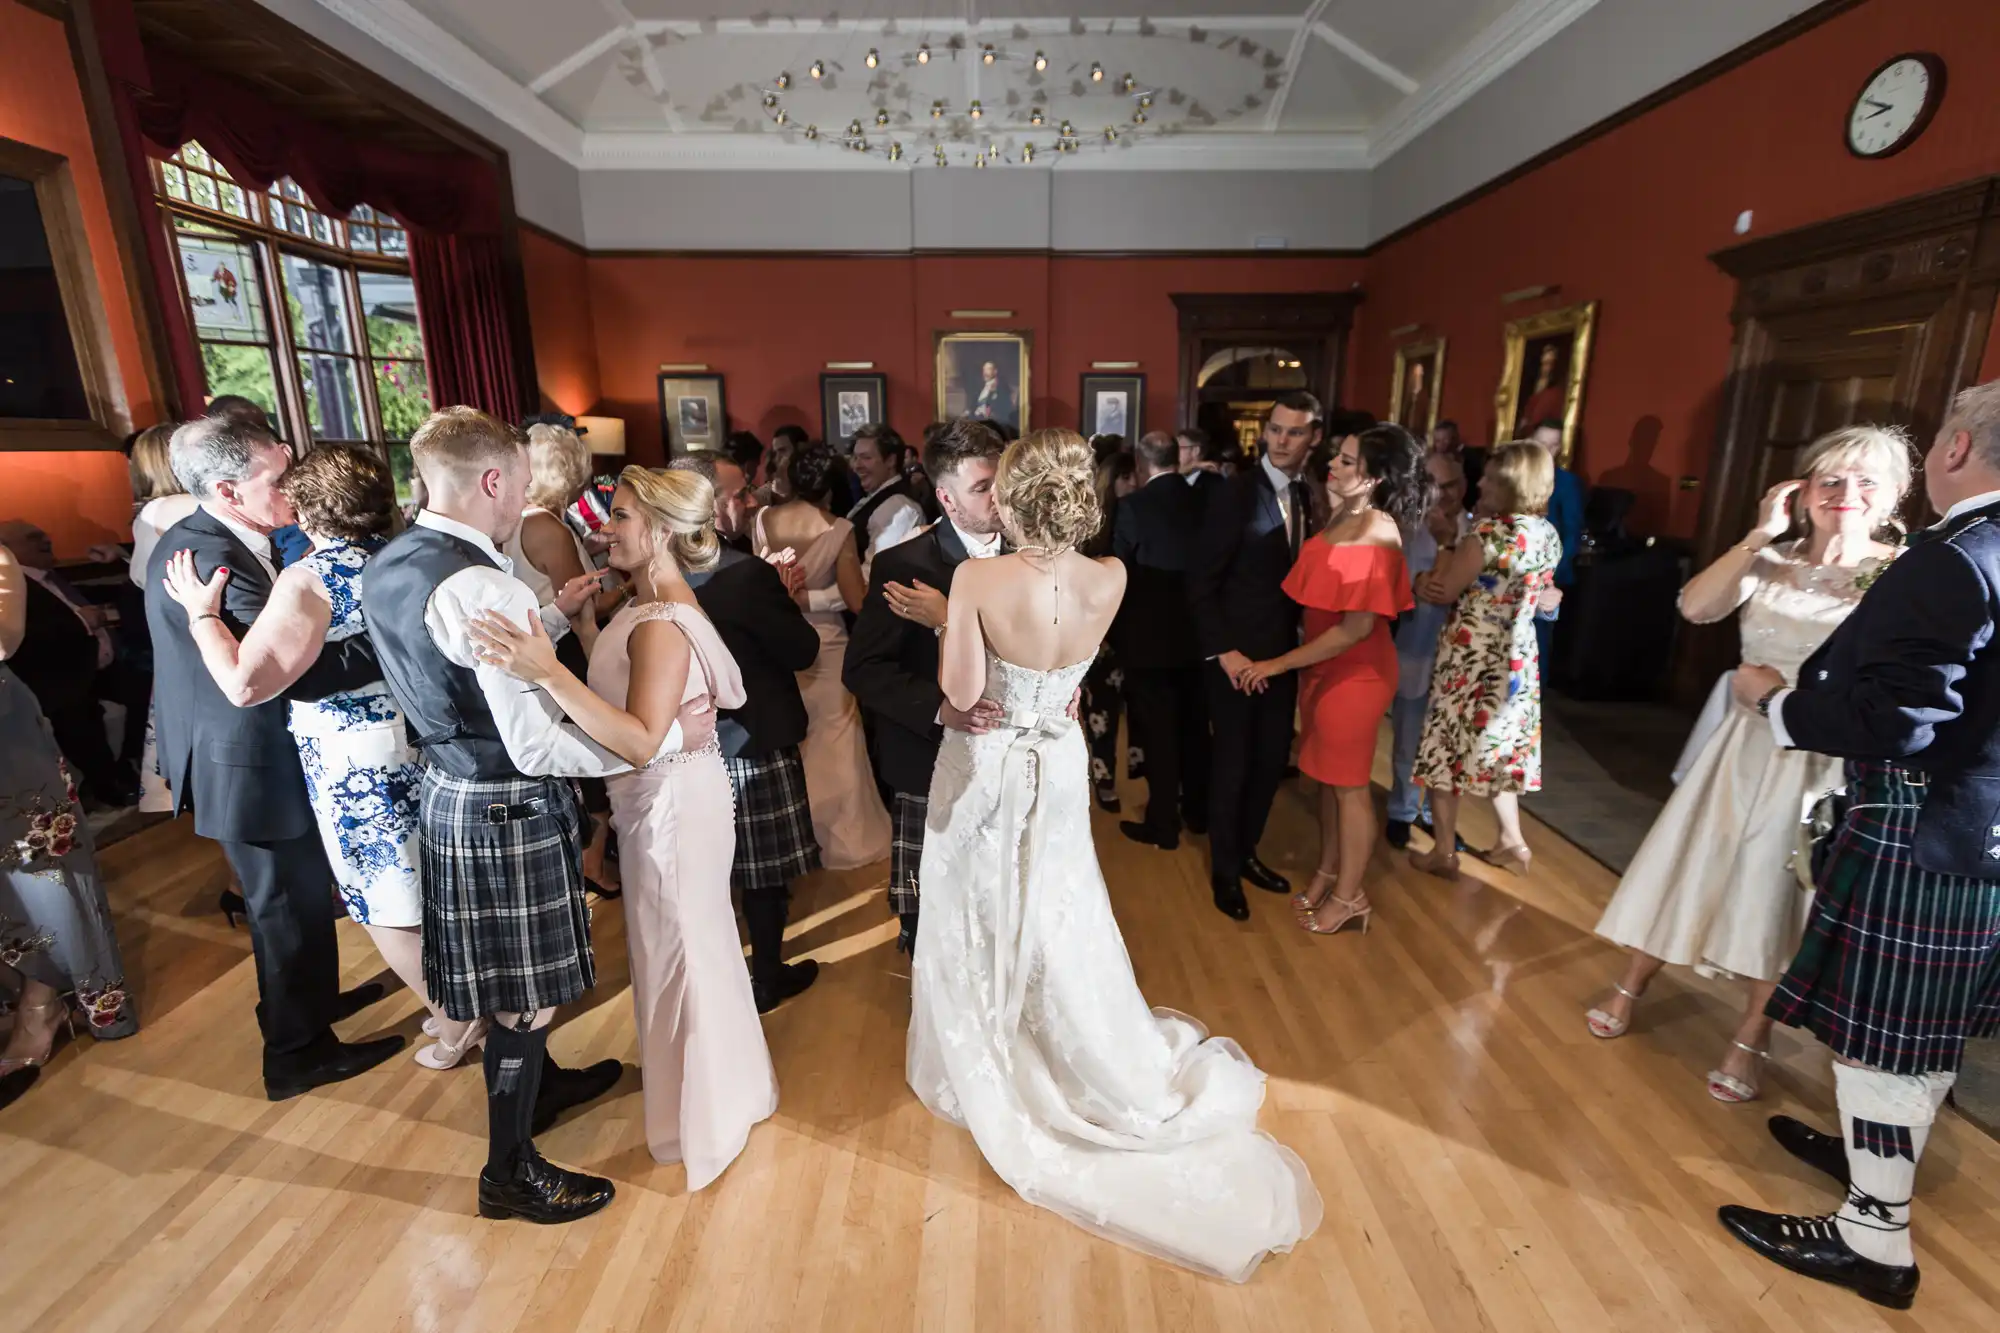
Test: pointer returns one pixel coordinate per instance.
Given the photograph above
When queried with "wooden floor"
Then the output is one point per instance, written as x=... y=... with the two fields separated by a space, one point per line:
x=1486 y=1164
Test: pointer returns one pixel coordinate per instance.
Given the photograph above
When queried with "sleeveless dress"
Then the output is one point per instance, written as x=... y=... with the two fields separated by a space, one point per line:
x=362 y=777
x=847 y=812
x=1027 y=1026
x=1712 y=885
x=1483 y=735
x=1343 y=698
x=706 y=1073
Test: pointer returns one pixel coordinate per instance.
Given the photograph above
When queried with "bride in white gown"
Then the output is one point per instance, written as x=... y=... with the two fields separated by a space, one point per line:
x=1027 y=1025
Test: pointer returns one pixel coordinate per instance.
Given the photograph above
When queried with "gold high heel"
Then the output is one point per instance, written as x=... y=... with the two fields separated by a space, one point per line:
x=22 y=1011
x=1302 y=902
x=1351 y=909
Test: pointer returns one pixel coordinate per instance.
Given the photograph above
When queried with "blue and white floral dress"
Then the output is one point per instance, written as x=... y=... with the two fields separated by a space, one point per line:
x=361 y=774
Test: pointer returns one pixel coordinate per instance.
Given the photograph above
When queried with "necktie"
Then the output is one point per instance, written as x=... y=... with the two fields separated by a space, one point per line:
x=1301 y=498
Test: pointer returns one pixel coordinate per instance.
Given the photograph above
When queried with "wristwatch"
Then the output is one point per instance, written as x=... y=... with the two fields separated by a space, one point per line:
x=1764 y=704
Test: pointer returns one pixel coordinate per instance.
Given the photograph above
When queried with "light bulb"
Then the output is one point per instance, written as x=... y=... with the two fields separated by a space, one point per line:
x=986 y=54
x=1027 y=152
x=1111 y=134
x=781 y=117
x=1128 y=83
x=853 y=127
x=923 y=55
x=1145 y=101
x=977 y=110
x=937 y=110
x=1138 y=118
x=812 y=131
x=1041 y=61
x=895 y=152
x=818 y=68
x=980 y=161
x=874 y=57
x=1067 y=131
x=1035 y=116
x=770 y=100
x=1096 y=72
x=784 y=81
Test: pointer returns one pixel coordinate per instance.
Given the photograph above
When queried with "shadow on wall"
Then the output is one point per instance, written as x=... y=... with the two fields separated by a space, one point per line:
x=1637 y=474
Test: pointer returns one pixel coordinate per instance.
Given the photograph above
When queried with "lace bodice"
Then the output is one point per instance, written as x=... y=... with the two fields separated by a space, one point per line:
x=1040 y=694
x=1795 y=606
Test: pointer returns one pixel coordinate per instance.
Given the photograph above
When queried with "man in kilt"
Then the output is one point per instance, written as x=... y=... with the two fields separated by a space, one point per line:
x=506 y=932
x=892 y=656
x=1901 y=958
x=747 y=600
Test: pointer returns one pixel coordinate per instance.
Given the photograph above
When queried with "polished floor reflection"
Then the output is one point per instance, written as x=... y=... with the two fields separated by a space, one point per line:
x=1486 y=1164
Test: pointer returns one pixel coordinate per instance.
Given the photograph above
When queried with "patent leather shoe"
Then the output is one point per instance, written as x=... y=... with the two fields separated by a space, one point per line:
x=1812 y=1247
x=786 y=981
x=565 y=1088
x=1824 y=1152
x=1149 y=836
x=1229 y=898
x=537 y=1190
x=1264 y=877
x=327 y=1062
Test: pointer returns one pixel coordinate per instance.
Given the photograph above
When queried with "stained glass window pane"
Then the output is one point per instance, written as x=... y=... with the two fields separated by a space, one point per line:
x=234 y=201
x=175 y=180
x=192 y=154
x=202 y=188
x=394 y=242
x=360 y=236
x=224 y=284
x=333 y=397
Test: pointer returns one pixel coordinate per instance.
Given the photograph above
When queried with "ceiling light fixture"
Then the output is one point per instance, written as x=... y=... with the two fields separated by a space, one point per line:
x=882 y=116
x=977 y=110
x=1096 y=72
x=923 y=55
x=1035 y=116
x=1041 y=62
x=987 y=55
x=895 y=152
x=818 y=68
x=784 y=81
x=874 y=57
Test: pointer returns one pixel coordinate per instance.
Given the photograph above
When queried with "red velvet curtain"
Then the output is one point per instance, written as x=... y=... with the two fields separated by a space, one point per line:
x=449 y=202
x=468 y=338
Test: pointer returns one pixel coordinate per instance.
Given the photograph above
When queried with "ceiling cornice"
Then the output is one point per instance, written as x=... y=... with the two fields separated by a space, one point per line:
x=724 y=151
x=1506 y=41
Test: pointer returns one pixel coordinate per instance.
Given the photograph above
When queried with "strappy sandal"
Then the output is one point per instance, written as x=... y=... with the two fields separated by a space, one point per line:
x=1729 y=1088
x=1303 y=903
x=1602 y=1025
x=1351 y=910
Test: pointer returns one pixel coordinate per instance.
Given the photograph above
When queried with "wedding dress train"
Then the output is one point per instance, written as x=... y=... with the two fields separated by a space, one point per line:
x=1028 y=1027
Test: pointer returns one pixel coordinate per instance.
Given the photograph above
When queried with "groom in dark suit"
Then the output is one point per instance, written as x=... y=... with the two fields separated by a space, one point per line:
x=1900 y=964
x=238 y=768
x=1251 y=533
x=891 y=667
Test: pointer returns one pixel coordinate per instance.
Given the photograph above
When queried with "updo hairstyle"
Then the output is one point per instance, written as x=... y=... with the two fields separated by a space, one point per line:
x=812 y=471
x=679 y=507
x=1046 y=484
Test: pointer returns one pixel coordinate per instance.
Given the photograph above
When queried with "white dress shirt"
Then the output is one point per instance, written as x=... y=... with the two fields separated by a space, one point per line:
x=976 y=548
x=539 y=739
x=895 y=521
x=258 y=542
x=1282 y=484
x=1776 y=711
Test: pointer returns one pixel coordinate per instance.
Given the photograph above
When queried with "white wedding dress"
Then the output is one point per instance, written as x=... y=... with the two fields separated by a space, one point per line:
x=1028 y=1028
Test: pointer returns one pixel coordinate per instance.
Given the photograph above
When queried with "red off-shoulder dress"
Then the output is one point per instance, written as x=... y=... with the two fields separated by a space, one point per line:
x=1342 y=700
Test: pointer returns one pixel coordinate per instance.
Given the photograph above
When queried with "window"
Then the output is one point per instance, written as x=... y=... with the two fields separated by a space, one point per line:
x=310 y=315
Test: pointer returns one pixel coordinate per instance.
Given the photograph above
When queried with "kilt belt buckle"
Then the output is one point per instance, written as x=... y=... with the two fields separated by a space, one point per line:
x=499 y=812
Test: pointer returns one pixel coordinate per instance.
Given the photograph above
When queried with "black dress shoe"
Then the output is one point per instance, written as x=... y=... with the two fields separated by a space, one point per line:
x=351 y=1002
x=331 y=1062
x=1826 y=1152
x=565 y=1088
x=1264 y=877
x=1812 y=1246
x=1138 y=832
x=1397 y=833
x=1229 y=898
x=537 y=1190
x=787 y=981
x=1194 y=824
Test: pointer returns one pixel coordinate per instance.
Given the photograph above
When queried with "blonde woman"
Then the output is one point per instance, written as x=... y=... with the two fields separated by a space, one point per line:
x=158 y=502
x=1712 y=887
x=1027 y=1026
x=707 y=1073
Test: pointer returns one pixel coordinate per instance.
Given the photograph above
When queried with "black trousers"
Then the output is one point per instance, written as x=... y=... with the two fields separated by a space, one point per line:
x=78 y=725
x=1253 y=743
x=1168 y=712
x=288 y=889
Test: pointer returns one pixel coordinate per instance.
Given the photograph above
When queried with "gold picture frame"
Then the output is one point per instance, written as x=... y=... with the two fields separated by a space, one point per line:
x=1417 y=388
x=1546 y=362
x=963 y=389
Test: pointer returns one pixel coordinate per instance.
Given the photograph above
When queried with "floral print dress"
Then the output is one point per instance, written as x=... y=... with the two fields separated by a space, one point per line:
x=1483 y=734
x=55 y=924
x=362 y=777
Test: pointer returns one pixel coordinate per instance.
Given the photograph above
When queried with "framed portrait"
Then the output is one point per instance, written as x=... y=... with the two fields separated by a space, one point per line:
x=1547 y=357
x=849 y=402
x=1112 y=405
x=983 y=376
x=693 y=413
x=1418 y=387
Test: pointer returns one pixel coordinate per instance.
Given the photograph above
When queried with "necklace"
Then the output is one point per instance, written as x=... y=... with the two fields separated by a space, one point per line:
x=1051 y=553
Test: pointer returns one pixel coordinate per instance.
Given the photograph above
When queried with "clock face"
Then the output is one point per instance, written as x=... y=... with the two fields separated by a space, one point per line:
x=1894 y=107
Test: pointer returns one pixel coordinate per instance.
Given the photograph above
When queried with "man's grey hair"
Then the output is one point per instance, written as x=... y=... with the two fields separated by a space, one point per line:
x=701 y=463
x=1976 y=411
x=209 y=450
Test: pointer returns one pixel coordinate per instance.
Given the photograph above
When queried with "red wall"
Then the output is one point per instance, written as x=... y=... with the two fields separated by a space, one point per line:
x=558 y=283
x=1630 y=218
x=78 y=498
x=770 y=325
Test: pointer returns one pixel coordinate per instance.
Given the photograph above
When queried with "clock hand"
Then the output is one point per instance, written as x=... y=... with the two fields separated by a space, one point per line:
x=1880 y=108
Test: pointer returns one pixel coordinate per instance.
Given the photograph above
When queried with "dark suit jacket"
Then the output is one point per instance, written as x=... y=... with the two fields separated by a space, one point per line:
x=1156 y=535
x=1913 y=676
x=1205 y=485
x=771 y=640
x=1236 y=587
x=892 y=663
x=237 y=767
x=57 y=658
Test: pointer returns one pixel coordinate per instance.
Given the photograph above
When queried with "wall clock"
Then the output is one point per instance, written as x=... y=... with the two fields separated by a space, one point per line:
x=1895 y=105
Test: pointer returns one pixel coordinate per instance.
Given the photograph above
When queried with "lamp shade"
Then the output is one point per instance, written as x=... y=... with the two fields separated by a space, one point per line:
x=604 y=435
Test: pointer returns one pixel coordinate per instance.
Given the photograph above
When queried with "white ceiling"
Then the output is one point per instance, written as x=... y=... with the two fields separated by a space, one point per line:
x=1262 y=83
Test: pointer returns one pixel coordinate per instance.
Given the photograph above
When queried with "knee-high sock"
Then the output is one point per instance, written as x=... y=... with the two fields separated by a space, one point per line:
x=1885 y=1119
x=765 y=913
x=513 y=1064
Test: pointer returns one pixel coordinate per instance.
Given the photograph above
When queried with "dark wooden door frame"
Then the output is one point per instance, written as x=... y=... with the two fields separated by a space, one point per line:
x=1256 y=318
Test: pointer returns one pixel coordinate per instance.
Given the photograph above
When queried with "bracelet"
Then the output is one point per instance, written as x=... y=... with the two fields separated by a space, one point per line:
x=206 y=615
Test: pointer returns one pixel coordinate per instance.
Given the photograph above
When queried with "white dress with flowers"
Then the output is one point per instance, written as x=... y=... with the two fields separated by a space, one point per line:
x=361 y=774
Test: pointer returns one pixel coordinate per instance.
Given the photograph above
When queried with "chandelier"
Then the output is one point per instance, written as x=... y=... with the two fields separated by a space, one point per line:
x=1047 y=100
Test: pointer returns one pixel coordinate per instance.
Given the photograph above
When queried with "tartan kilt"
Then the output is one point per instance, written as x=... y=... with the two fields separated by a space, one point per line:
x=505 y=925
x=774 y=832
x=906 y=849
x=1899 y=966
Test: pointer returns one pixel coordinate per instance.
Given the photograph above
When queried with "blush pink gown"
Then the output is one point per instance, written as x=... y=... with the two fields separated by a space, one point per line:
x=707 y=1074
